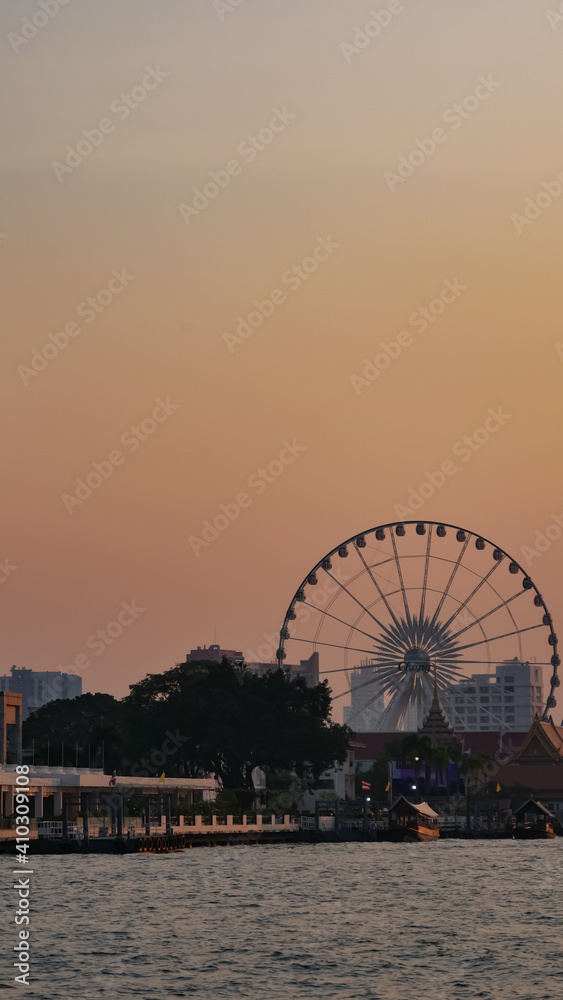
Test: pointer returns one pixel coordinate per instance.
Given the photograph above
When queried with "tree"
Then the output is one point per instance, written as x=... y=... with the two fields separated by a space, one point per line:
x=95 y=719
x=230 y=720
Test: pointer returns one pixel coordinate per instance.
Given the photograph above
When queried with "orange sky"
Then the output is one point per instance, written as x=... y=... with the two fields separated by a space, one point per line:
x=202 y=81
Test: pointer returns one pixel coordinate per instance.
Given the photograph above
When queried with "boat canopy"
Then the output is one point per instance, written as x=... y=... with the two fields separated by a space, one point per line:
x=422 y=808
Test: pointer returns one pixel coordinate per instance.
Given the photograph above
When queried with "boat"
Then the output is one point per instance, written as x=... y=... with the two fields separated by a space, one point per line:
x=412 y=821
x=534 y=822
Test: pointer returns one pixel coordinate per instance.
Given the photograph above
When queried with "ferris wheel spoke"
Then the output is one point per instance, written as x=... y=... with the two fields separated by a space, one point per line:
x=425 y=581
x=385 y=628
x=494 y=567
x=378 y=588
x=506 y=635
x=401 y=582
x=333 y=645
x=341 y=620
x=380 y=679
x=450 y=581
x=499 y=607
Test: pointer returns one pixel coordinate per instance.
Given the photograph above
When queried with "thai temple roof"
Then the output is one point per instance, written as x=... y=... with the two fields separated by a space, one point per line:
x=437 y=726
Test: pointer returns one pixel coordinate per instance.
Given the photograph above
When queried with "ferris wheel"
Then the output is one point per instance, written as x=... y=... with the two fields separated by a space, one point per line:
x=422 y=603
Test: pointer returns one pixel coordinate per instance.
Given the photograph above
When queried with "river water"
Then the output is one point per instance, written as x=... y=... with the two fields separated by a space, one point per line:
x=443 y=921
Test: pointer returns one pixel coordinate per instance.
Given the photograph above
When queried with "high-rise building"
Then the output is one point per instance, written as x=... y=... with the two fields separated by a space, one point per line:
x=365 y=712
x=508 y=699
x=39 y=687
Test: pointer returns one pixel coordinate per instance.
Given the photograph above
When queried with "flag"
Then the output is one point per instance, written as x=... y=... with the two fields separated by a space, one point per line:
x=113 y=778
x=365 y=786
x=388 y=786
x=161 y=779
x=498 y=787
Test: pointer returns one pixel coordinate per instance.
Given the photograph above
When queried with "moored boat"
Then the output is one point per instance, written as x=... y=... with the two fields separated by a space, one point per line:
x=534 y=822
x=412 y=821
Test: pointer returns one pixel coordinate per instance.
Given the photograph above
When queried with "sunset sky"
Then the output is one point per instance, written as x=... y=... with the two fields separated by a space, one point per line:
x=206 y=79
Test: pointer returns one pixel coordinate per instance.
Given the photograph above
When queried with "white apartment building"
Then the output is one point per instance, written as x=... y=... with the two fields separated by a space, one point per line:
x=364 y=713
x=506 y=700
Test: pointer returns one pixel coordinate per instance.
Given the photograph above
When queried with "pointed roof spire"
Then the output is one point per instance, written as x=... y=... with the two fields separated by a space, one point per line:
x=436 y=725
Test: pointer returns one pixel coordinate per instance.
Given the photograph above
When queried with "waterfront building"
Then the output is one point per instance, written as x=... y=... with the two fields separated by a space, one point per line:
x=509 y=699
x=48 y=785
x=39 y=687
x=365 y=710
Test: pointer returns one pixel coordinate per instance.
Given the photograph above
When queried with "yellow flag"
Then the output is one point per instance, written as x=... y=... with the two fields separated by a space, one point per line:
x=161 y=779
x=498 y=787
x=388 y=786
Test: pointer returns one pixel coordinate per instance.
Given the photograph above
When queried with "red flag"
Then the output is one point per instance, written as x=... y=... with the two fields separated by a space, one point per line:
x=366 y=786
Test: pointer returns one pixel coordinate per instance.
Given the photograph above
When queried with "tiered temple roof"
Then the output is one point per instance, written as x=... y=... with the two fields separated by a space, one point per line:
x=437 y=726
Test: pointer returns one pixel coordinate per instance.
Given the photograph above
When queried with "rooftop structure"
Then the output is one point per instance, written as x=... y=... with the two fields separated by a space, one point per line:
x=214 y=653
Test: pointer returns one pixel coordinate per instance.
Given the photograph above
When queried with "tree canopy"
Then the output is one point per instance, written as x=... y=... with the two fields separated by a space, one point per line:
x=201 y=718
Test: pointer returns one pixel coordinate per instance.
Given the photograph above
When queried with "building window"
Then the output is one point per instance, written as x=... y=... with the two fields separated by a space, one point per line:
x=459 y=701
x=509 y=688
x=469 y=690
x=538 y=692
x=496 y=699
x=471 y=720
x=509 y=700
x=509 y=680
x=484 y=699
x=510 y=718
